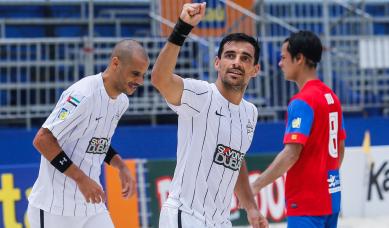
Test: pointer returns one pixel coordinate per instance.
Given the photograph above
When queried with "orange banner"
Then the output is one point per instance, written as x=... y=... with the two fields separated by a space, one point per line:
x=220 y=19
x=124 y=212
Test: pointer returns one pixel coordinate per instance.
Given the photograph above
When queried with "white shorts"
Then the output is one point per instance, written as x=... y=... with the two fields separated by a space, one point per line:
x=174 y=218
x=42 y=219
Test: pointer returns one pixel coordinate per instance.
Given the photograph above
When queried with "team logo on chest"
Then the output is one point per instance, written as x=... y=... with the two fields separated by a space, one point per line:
x=250 y=130
x=98 y=146
x=228 y=157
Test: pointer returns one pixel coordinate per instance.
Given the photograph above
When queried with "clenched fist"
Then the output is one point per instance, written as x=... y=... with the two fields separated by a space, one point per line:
x=192 y=13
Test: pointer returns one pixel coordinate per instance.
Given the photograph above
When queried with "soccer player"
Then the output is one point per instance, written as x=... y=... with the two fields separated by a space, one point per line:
x=215 y=130
x=75 y=140
x=314 y=140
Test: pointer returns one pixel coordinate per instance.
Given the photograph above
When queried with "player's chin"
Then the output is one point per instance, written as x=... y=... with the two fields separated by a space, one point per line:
x=236 y=81
x=129 y=92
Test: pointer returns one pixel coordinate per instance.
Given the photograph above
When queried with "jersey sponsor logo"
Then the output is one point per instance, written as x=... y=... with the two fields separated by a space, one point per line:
x=98 y=118
x=117 y=116
x=227 y=157
x=73 y=101
x=329 y=98
x=296 y=123
x=63 y=114
x=333 y=181
x=98 y=146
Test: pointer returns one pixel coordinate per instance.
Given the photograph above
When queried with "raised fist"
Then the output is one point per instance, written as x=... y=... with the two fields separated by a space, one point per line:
x=192 y=13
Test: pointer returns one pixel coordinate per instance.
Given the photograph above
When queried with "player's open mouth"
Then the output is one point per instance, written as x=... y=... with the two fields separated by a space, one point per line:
x=235 y=72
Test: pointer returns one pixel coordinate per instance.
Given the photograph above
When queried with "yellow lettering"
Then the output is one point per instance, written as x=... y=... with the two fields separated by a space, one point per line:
x=26 y=222
x=8 y=196
x=215 y=15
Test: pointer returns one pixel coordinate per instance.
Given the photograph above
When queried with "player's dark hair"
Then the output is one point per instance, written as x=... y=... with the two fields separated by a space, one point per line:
x=306 y=43
x=240 y=37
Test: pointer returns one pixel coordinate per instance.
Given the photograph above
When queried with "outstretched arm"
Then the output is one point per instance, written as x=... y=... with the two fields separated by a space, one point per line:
x=246 y=199
x=284 y=160
x=169 y=84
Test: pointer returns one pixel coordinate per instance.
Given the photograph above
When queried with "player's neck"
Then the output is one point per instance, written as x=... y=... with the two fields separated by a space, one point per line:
x=232 y=95
x=305 y=77
x=109 y=85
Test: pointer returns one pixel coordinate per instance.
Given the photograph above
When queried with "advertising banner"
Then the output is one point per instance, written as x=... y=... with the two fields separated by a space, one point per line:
x=124 y=212
x=15 y=185
x=364 y=178
x=219 y=17
x=365 y=182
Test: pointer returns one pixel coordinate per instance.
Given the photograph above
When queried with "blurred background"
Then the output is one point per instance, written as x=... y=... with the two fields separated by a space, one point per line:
x=46 y=45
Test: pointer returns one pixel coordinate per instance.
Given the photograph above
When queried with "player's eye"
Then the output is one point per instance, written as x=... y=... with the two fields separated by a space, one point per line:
x=136 y=73
x=245 y=59
x=229 y=56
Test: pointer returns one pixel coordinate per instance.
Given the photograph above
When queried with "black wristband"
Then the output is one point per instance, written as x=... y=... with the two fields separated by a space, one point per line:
x=180 y=32
x=110 y=154
x=61 y=162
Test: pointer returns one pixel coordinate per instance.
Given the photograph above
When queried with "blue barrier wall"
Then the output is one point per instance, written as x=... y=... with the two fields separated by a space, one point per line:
x=160 y=141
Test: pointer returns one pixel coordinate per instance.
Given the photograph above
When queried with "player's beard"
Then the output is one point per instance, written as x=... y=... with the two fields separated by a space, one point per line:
x=237 y=86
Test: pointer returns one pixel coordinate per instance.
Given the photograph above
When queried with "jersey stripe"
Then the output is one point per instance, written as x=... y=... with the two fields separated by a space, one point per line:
x=224 y=169
x=202 y=149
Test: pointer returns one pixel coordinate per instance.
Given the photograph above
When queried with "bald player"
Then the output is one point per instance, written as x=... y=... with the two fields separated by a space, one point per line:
x=76 y=139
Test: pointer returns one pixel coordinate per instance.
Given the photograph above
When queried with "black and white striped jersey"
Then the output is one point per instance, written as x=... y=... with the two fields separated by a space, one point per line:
x=213 y=138
x=83 y=123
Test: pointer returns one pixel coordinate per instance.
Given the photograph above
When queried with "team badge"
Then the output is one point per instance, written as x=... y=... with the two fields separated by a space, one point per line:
x=63 y=114
x=250 y=130
x=296 y=123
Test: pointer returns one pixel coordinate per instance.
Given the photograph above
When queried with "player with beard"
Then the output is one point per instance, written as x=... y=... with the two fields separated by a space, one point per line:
x=215 y=130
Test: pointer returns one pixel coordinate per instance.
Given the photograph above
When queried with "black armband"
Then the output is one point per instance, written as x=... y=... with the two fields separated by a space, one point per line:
x=61 y=162
x=110 y=154
x=180 y=32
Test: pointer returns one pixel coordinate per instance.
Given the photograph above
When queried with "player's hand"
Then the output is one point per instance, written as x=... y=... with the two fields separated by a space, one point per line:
x=92 y=192
x=192 y=13
x=256 y=219
x=127 y=182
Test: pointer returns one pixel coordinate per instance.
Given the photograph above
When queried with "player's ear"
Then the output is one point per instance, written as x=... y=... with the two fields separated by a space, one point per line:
x=257 y=70
x=115 y=62
x=300 y=58
x=216 y=63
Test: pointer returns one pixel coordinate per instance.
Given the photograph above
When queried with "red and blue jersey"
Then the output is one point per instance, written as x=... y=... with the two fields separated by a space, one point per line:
x=315 y=120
